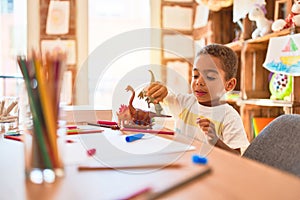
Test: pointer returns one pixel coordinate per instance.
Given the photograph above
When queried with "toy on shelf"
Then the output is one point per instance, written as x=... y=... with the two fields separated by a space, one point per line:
x=292 y=20
x=280 y=86
x=263 y=25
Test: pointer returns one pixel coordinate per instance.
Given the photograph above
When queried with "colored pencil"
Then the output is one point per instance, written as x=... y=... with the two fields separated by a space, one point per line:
x=136 y=194
x=81 y=131
x=35 y=113
x=44 y=98
x=148 y=131
x=47 y=108
x=188 y=180
x=114 y=127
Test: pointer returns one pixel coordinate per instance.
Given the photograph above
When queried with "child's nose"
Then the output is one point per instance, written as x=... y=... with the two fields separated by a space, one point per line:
x=200 y=81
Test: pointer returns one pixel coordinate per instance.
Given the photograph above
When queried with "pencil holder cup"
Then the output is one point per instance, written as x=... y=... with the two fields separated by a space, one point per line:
x=44 y=140
x=9 y=113
x=43 y=157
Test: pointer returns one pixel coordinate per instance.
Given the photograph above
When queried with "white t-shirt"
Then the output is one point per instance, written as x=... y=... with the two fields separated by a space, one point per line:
x=227 y=121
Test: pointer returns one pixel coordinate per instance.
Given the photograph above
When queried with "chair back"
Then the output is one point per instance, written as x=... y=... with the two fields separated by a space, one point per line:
x=278 y=144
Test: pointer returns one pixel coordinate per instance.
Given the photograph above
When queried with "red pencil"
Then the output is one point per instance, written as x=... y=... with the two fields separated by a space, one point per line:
x=105 y=122
x=17 y=138
x=148 y=131
x=139 y=192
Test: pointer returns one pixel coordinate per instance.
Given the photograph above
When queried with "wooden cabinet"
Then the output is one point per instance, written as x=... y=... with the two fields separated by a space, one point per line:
x=254 y=83
x=177 y=19
x=253 y=78
x=177 y=39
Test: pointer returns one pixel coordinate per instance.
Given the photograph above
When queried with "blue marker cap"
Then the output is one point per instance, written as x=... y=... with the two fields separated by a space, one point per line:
x=199 y=159
x=135 y=137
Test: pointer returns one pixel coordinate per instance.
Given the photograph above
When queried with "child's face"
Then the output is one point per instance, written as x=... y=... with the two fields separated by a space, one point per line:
x=208 y=83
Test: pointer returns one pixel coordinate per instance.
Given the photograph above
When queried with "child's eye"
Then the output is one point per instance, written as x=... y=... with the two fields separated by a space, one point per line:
x=210 y=78
x=195 y=76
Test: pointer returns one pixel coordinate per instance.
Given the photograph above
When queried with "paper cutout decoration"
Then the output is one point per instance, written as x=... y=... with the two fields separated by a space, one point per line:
x=242 y=7
x=67 y=46
x=58 y=18
x=283 y=55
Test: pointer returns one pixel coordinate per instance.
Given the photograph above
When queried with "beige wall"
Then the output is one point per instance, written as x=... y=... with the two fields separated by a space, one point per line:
x=155 y=23
x=33 y=30
x=82 y=50
x=81 y=92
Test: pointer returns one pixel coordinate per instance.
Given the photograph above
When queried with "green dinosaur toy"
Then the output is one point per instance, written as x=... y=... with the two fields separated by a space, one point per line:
x=142 y=95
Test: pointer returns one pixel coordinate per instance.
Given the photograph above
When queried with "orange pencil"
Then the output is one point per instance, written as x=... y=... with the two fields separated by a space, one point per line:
x=47 y=108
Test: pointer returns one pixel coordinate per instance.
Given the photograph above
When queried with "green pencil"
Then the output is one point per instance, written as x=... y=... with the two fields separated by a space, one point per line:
x=35 y=113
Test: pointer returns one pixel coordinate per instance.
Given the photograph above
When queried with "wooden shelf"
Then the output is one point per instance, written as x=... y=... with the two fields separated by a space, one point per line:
x=202 y=32
x=236 y=45
x=178 y=3
x=254 y=80
x=169 y=31
x=258 y=43
x=268 y=103
x=189 y=60
x=267 y=37
x=56 y=37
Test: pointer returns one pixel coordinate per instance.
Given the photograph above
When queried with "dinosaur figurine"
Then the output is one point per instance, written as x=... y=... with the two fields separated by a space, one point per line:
x=136 y=118
x=124 y=116
x=142 y=95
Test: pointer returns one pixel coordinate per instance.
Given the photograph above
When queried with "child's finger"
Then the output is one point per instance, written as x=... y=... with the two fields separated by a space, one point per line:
x=204 y=123
x=153 y=86
x=158 y=93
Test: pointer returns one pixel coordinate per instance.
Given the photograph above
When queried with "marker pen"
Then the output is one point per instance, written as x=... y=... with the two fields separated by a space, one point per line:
x=135 y=137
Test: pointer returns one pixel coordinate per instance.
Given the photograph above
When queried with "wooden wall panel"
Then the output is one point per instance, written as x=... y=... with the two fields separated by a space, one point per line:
x=71 y=35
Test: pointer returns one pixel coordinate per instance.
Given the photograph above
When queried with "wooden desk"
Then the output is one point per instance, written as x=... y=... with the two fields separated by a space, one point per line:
x=232 y=177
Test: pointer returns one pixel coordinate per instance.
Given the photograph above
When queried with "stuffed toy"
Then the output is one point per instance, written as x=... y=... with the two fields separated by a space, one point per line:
x=292 y=20
x=280 y=86
x=263 y=25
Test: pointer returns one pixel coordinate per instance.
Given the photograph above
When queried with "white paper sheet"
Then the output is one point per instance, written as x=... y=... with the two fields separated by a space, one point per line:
x=113 y=151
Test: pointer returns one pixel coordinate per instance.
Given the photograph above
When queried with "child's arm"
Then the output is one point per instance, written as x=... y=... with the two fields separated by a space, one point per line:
x=158 y=91
x=209 y=129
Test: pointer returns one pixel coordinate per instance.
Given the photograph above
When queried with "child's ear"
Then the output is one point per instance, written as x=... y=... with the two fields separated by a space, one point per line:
x=230 y=84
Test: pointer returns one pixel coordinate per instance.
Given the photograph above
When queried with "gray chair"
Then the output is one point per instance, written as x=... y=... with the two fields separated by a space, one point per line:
x=278 y=144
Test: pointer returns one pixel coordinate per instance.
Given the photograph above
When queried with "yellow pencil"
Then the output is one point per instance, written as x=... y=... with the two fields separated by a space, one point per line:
x=47 y=107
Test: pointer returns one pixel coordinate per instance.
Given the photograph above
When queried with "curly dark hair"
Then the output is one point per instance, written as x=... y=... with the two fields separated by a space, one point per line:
x=226 y=55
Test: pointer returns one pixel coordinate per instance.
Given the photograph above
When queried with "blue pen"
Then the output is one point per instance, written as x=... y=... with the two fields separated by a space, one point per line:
x=135 y=137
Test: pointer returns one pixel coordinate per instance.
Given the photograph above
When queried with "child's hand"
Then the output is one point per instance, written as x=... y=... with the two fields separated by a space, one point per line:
x=158 y=91
x=209 y=129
